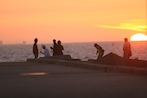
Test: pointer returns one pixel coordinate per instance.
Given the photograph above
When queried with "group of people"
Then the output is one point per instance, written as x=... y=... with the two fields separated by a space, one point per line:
x=57 y=49
x=126 y=48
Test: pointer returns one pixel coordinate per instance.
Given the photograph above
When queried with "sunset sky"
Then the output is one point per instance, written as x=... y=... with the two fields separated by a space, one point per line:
x=70 y=20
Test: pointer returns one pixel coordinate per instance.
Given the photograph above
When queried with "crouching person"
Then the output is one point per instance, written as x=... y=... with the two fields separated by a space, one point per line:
x=45 y=51
x=100 y=51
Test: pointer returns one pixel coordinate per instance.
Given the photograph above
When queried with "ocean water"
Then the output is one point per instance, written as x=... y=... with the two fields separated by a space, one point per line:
x=83 y=51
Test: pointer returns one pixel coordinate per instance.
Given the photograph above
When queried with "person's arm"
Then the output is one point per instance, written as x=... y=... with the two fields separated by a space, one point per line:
x=124 y=46
x=41 y=52
x=52 y=48
x=62 y=48
x=97 y=52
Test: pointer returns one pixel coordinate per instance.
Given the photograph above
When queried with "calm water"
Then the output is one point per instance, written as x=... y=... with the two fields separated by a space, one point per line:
x=83 y=51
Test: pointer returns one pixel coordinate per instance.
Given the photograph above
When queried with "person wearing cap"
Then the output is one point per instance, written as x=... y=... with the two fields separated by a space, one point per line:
x=45 y=52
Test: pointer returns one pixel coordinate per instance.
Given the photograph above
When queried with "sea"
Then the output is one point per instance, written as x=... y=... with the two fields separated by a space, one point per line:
x=83 y=51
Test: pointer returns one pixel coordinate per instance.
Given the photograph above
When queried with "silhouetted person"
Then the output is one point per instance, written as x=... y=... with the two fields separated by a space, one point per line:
x=54 y=48
x=100 y=51
x=127 y=49
x=59 y=48
x=45 y=52
x=35 y=48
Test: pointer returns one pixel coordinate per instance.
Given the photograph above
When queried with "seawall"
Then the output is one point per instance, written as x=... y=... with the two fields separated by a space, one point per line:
x=64 y=60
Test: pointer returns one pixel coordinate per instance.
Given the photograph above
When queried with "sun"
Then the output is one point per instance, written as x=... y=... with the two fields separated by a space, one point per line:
x=138 y=37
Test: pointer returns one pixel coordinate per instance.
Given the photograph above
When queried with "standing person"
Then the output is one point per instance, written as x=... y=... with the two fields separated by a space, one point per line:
x=45 y=52
x=60 y=48
x=54 y=48
x=127 y=49
x=100 y=51
x=35 y=48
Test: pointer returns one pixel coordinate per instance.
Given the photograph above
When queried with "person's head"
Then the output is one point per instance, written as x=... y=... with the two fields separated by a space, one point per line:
x=35 y=40
x=54 y=40
x=125 y=39
x=59 y=42
x=95 y=45
x=43 y=46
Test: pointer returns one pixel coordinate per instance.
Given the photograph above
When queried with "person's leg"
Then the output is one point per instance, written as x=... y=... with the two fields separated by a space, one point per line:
x=36 y=56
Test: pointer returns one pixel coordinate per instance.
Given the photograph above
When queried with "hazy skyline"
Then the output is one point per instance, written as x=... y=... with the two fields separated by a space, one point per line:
x=71 y=20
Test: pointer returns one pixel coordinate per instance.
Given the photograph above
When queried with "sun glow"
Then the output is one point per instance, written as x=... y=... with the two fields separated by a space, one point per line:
x=138 y=37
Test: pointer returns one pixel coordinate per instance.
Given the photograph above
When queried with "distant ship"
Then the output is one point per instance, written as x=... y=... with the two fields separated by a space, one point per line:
x=1 y=42
x=24 y=42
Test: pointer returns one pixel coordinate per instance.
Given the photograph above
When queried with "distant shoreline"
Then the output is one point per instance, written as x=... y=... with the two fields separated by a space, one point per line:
x=75 y=42
x=64 y=42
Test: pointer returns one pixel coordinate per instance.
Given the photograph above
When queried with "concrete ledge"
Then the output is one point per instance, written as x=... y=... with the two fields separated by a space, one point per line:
x=61 y=57
x=87 y=65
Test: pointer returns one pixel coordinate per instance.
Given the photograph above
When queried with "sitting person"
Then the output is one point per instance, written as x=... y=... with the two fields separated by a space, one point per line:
x=100 y=51
x=45 y=52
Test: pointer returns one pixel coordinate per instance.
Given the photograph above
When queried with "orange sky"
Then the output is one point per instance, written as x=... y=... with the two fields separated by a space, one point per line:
x=70 y=20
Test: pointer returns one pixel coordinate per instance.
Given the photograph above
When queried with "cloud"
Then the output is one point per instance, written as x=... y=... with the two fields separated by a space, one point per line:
x=134 y=25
